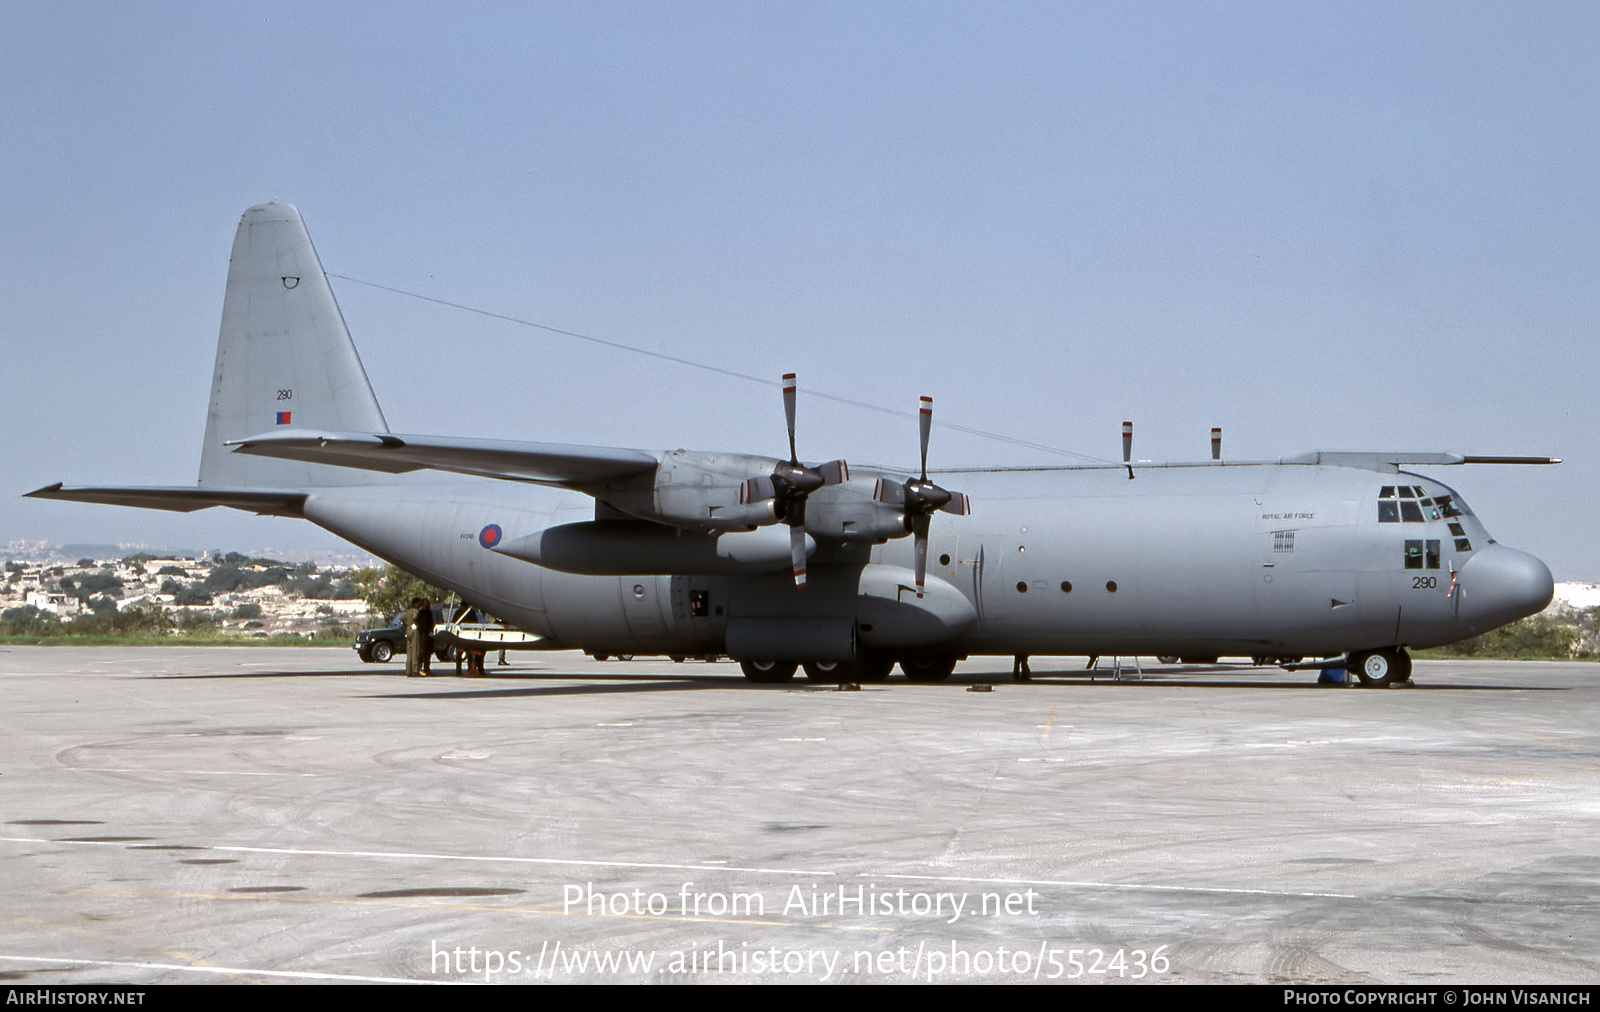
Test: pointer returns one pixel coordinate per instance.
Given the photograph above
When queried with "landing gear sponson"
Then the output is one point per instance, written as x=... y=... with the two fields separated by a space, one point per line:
x=869 y=668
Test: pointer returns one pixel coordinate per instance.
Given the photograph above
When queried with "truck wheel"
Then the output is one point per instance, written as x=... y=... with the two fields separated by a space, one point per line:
x=380 y=652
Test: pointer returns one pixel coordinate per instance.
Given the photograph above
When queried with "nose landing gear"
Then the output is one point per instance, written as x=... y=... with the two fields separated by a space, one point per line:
x=1382 y=667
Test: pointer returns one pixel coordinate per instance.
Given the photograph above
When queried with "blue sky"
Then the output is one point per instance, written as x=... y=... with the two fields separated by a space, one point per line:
x=1363 y=226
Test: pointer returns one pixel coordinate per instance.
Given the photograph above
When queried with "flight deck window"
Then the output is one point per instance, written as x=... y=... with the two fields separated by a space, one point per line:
x=1463 y=544
x=1388 y=512
x=1410 y=512
x=1387 y=492
x=1422 y=554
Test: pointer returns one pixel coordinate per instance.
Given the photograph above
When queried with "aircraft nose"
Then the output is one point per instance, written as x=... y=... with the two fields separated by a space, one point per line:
x=1500 y=585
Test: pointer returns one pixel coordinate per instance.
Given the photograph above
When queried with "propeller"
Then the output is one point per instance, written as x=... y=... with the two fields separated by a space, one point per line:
x=921 y=498
x=789 y=484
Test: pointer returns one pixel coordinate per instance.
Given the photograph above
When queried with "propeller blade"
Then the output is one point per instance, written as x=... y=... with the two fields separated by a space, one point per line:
x=834 y=472
x=797 y=553
x=1216 y=444
x=758 y=489
x=1127 y=447
x=890 y=492
x=919 y=526
x=959 y=504
x=788 y=411
x=925 y=424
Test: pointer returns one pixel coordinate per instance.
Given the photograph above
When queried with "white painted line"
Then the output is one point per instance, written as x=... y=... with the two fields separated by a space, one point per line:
x=566 y=862
x=178 y=773
x=1140 y=886
x=229 y=970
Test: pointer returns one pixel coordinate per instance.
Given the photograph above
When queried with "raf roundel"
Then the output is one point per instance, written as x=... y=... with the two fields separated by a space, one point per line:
x=489 y=536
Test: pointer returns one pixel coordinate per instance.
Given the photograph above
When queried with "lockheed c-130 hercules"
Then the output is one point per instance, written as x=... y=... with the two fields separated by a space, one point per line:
x=1342 y=557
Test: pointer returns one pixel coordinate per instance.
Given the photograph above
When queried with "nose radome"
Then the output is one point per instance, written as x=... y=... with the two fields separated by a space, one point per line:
x=1501 y=585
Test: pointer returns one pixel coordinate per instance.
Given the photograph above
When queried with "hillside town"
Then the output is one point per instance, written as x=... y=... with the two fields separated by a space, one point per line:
x=219 y=594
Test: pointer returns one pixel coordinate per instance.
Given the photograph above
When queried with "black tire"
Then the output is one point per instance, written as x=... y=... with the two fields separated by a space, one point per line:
x=828 y=672
x=365 y=653
x=873 y=669
x=928 y=669
x=380 y=652
x=768 y=672
x=1382 y=667
x=1170 y=659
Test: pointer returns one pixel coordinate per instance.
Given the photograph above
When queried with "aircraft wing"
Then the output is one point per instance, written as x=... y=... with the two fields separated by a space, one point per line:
x=545 y=463
x=182 y=498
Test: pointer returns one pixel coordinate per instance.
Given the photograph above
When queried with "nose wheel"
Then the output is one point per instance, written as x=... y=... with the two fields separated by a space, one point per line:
x=1382 y=667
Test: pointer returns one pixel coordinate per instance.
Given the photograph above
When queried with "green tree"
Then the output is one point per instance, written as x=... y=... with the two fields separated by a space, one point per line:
x=391 y=590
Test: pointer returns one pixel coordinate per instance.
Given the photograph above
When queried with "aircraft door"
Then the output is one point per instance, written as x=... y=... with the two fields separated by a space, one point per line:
x=644 y=603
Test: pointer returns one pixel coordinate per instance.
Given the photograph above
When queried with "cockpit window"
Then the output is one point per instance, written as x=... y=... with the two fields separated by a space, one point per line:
x=1410 y=512
x=1451 y=507
x=1388 y=512
x=1387 y=492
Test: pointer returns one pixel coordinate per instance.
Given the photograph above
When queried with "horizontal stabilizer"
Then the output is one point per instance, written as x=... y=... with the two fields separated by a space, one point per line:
x=544 y=463
x=1343 y=458
x=182 y=499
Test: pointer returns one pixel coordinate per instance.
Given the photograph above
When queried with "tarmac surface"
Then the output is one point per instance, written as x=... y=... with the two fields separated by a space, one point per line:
x=292 y=815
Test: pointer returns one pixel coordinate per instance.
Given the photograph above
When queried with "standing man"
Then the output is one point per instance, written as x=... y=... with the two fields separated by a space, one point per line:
x=425 y=636
x=408 y=622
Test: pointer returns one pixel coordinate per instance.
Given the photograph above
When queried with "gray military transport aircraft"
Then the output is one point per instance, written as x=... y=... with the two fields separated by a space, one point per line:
x=1342 y=557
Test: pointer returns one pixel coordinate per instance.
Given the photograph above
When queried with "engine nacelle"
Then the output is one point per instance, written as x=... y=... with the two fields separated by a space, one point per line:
x=705 y=492
x=638 y=547
x=698 y=491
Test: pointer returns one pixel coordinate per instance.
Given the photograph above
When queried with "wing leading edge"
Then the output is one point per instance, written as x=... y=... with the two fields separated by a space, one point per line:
x=558 y=464
x=182 y=498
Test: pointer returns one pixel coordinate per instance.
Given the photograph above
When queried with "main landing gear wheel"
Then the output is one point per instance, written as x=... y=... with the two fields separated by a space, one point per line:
x=1382 y=667
x=929 y=669
x=768 y=672
x=865 y=669
x=826 y=672
x=380 y=652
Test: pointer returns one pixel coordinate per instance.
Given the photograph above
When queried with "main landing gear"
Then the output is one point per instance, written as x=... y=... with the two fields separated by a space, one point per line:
x=1381 y=667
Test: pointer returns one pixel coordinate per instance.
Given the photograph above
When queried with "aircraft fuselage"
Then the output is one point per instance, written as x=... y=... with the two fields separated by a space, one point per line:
x=1254 y=560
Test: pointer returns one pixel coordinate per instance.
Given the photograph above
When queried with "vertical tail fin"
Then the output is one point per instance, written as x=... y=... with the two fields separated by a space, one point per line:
x=284 y=359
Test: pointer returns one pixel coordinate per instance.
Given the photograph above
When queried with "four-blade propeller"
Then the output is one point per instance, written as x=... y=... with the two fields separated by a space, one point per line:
x=921 y=498
x=789 y=485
